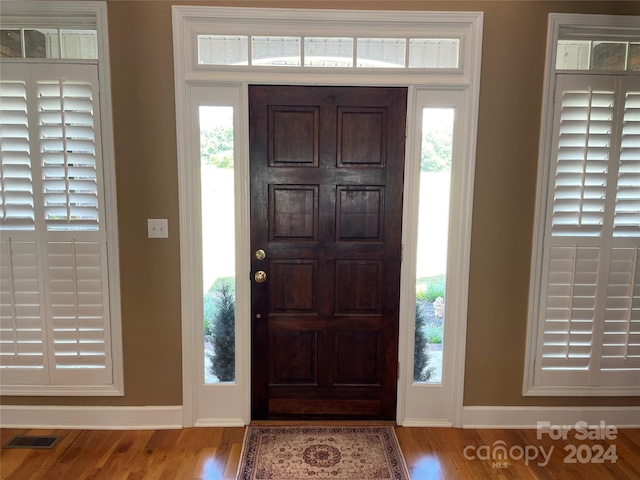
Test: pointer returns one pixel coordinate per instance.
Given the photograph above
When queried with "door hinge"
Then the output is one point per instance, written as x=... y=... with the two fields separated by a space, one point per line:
x=401 y=252
x=398 y=371
x=406 y=127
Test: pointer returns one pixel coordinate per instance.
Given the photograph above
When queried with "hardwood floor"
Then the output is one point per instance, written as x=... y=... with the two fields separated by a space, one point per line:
x=214 y=453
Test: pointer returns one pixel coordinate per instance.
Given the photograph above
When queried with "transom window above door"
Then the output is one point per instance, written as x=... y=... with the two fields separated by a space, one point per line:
x=435 y=48
x=328 y=52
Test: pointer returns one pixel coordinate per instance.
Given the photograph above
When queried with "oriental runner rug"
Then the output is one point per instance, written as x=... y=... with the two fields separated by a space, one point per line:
x=309 y=452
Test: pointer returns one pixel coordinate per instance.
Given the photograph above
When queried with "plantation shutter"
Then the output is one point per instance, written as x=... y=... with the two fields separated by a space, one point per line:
x=15 y=174
x=589 y=330
x=627 y=213
x=54 y=290
x=67 y=142
x=22 y=323
x=620 y=362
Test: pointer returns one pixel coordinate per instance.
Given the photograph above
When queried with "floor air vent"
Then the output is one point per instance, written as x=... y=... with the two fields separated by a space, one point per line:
x=25 y=441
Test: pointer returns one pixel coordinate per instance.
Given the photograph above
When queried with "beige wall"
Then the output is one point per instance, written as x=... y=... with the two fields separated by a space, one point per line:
x=145 y=147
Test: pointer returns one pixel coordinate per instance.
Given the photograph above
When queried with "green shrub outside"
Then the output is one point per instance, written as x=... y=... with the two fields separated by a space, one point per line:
x=430 y=288
x=422 y=371
x=210 y=302
x=433 y=333
x=219 y=326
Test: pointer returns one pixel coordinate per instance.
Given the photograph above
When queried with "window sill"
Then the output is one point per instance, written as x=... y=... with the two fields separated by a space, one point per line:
x=62 y=390
x=581 y=391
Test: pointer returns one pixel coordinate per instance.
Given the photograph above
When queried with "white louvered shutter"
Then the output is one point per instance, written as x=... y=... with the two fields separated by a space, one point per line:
x=78 y=306
x=22 y=323
x=620 y=361
x=17 y=206
x=68 y=150
x=627 y=213
x=589 y=330
x=567 y=339
x=55 y=274
x=583 y=150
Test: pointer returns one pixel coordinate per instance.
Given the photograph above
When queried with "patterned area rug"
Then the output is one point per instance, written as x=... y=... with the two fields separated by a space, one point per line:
x=308 y=452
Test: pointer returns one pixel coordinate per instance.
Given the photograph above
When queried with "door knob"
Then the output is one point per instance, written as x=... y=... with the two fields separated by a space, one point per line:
x=260 y=276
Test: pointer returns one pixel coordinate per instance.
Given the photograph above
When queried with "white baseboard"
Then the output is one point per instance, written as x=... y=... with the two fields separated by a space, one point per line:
x=169 y=417
x=91 y=418
x=220 y=422
x=527 y=417
x=418 y=422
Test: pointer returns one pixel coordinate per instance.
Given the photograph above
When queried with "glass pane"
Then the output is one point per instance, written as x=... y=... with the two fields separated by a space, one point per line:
x=328 y=52
x=381 y=52
x=79 y=44
x=573 y=55
x=633 y=63
x=433 y=228
x=10 y=44
x=276 y=51
x=608 y=56
x=433 y=52
x=218 y=242
x=41 y=43
x=223 y=50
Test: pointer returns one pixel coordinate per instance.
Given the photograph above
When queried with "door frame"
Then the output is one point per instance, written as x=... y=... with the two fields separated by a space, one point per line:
x=200 y=85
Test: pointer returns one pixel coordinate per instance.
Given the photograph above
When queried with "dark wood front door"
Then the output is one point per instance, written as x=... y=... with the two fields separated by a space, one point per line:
x=326 y=208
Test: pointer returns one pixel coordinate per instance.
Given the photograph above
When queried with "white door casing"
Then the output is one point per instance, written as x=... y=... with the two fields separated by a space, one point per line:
x=196 y=85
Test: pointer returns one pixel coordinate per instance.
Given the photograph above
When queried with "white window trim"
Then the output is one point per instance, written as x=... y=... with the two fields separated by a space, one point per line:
x=556 y=22
x=189 y=77
x=68 y=14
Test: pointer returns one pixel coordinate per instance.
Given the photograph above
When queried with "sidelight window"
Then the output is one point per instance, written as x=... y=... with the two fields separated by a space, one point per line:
x=218 y=242
x=433 y=228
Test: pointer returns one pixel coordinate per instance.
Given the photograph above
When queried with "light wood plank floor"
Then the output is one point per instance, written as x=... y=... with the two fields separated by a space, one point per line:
x=214 y=453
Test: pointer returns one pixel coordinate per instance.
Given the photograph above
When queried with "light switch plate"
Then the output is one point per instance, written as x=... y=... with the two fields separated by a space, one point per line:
x=158 y=227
